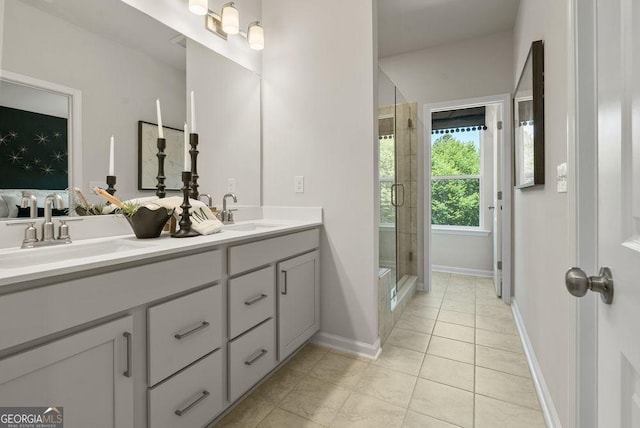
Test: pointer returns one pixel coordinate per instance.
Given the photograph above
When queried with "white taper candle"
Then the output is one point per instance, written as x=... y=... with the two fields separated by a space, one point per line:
x=193 y=114
x=187 y=156
x=160 y=133
x=111 y=169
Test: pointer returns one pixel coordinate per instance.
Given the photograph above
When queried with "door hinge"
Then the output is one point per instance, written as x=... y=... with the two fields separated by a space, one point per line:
x=500 y=195
x=499 y=265
x=499 y=124
x=409 y=123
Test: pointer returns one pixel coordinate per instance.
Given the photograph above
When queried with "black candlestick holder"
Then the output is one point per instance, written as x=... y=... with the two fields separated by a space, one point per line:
x=111 y=181
x=193 y=141
x=160 y=186
x=185 y=218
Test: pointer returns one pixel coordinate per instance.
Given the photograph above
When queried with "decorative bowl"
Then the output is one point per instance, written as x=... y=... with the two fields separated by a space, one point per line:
x=148 y=223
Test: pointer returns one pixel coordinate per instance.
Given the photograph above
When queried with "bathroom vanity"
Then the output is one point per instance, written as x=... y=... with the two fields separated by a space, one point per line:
x=159 y=333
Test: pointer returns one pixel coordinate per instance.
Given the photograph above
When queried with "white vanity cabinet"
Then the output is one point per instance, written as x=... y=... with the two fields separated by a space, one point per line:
x=263 y=329
x=167 y=341
x=88 y=374
x=299 y=301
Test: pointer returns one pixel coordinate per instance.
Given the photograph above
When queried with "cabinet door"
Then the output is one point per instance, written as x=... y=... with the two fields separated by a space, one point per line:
x=299 y=298
x=88 y=374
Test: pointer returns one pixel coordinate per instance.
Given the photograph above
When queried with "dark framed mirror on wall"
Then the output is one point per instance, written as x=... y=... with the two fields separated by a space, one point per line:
x=528 y=115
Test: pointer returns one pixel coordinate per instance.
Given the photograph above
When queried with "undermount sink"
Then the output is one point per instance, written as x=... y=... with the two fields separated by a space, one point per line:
x=245 y=227
x=65 y=252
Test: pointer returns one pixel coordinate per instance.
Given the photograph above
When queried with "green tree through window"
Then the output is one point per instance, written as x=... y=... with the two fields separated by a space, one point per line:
x=455 y=181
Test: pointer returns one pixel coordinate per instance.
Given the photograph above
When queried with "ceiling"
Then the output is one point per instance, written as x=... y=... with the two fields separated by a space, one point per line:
x=410 y=25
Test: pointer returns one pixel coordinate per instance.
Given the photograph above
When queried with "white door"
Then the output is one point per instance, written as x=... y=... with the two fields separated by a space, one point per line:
x=618 y=71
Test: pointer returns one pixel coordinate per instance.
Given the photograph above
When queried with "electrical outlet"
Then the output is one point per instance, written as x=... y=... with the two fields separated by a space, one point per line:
x=298 y=185
x=231 y=185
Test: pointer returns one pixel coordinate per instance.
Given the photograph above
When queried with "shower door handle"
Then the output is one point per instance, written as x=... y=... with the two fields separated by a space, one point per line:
x=394 y=195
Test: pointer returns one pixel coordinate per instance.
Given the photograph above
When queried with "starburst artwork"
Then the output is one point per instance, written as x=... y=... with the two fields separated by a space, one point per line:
x=33 y=150
x=15 y=157
x=42 y=139
x=47 y=170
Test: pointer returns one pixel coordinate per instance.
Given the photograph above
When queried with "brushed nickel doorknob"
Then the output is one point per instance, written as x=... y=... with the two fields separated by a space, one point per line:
x=578 y=283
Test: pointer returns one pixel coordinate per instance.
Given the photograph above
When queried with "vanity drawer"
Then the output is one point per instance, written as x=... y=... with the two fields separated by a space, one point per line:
x=251 y=357
x=195 y=394
x=255 y=254
x=183 y=330
x=251 y=300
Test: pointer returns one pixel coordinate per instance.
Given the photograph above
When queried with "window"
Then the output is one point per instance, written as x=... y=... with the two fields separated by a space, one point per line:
x=455 y=177
x=387 y=179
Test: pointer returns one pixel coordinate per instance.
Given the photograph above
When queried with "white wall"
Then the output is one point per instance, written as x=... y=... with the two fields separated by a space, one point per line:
x=468 y=69
x=228 y=120
x=318 y=110
x=540 y=214
x=119 y=86
x=176 y=15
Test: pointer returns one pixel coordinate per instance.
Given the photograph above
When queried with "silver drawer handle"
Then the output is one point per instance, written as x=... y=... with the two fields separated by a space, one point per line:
x=259 y=355
x=284 y=286
x=190 y=332
x=181 y=412
x=255 y=299
x=127 y=336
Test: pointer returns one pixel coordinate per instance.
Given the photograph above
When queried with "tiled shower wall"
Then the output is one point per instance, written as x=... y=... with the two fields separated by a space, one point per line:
x=407 y=173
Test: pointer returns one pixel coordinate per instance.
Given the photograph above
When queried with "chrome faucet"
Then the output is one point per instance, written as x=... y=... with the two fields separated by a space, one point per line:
x=47 y=227
x=209 y=199
x=226 y=216
x=30 y=201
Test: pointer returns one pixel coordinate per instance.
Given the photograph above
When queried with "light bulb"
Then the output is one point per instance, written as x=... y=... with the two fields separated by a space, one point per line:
x=255 y=36
x=199 y=7
x=230 y=19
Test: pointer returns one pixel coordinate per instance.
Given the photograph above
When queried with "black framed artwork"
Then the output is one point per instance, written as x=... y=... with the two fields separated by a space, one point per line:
x=148 y=161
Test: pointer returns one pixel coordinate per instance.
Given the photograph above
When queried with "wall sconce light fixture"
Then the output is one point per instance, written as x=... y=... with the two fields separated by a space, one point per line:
x=228 y=23
x=199 y=7
x=255 y=36
x=230 y=19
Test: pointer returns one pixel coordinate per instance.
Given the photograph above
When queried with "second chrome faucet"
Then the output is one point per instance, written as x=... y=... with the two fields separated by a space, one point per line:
x=226 y=215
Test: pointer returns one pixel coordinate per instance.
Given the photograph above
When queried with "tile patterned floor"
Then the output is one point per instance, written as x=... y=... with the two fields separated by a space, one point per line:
x=454 y=359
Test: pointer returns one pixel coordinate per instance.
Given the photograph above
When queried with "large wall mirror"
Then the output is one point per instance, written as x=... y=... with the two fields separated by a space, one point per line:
x=95 y=68
x=528 y=116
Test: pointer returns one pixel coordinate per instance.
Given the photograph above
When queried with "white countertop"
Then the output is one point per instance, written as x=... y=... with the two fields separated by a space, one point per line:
x=22 y=265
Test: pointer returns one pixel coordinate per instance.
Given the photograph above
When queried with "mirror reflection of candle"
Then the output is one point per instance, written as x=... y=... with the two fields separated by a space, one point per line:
x=193 y=114
x=187 y=156
x=160 y=133
x=111 y=169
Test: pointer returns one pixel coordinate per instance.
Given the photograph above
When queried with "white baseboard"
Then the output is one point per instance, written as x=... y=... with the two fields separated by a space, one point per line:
x=464 y=271
x=348 y=346
x=548 y=409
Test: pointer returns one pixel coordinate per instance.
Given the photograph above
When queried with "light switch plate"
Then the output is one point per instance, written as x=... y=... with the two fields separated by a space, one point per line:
x=562 y=178
x=299 y=184
x=231 y=185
